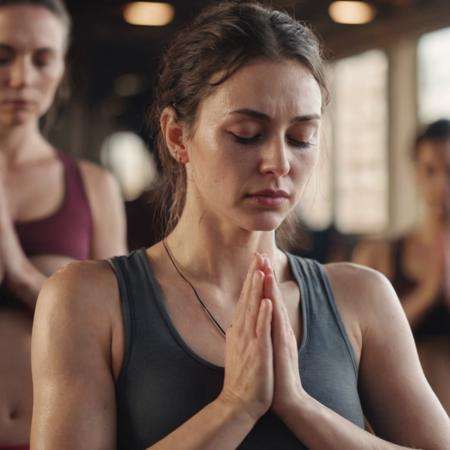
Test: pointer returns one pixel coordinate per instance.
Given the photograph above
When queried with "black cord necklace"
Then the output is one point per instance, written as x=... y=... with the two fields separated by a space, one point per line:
x=172 y=259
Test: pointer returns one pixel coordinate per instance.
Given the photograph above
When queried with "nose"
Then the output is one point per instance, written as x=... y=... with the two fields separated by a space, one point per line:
x=275 y=158
x=21 y=72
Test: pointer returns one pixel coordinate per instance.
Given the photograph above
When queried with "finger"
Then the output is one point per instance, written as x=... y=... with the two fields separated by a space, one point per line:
x=263 y=324
x=247 y=286
x=270 y=291
x=282 y=326
x=271 y=288
x=250 y=313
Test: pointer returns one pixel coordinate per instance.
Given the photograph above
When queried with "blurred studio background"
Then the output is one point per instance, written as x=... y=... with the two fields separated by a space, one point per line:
x=389 y=66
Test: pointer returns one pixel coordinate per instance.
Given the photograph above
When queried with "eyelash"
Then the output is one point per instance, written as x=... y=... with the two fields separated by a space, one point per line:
x=255 y=139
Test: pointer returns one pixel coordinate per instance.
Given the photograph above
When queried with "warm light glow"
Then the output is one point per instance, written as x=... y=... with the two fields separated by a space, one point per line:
x=126 y=155
x=351 y=13
x=148 y=13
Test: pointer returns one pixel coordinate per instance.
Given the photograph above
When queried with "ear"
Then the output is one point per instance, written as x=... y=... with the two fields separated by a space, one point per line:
x=174 y=133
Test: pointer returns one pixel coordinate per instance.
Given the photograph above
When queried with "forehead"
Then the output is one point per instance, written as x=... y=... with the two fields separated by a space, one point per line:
x=435 y=152
x=278 y=89
x=28 y=27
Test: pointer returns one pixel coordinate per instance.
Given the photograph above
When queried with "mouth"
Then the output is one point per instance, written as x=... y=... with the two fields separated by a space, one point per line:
x=17 y=104
x=269 y=197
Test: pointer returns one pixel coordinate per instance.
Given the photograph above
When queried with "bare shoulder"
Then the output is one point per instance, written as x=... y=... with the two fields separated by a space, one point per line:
x=97 y=178
x=356 y=276
x=108 y=212
x=360 y=287
x=82 y=277
x=83 y=290
x=362 y=296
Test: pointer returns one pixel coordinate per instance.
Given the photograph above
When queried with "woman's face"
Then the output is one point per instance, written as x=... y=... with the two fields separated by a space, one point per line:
x=32 y=47
x=255 y=144
x=433 y=175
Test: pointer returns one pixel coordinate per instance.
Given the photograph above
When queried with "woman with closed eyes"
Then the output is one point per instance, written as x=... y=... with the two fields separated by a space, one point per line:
x=216 y=338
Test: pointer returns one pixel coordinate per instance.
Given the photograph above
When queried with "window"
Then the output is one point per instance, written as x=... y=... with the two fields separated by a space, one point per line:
x=316 y=207
x=351 y=183
x=434 y=75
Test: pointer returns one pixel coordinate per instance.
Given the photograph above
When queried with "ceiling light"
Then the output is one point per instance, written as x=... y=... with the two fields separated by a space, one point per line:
x=351 y=12
x=148 y=13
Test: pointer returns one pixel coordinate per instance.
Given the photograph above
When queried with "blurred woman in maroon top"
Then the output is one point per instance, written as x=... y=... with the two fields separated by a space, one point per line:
x=52 y=208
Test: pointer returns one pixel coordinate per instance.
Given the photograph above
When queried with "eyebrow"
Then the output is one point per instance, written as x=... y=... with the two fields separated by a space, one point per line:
x=261 y=116
x=9 y=48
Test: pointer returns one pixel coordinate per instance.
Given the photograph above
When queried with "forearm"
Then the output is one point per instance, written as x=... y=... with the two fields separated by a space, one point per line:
x=318 y=427
x=27 y=285
x=221 y=425
x=20 y=275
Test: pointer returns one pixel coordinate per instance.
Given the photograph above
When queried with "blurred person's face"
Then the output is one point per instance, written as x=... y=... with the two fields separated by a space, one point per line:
x=32 y=47
x=433 y=176
x=258 y=131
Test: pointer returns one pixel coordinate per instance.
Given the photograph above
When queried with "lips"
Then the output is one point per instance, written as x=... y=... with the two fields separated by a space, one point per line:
x=16 y=102
x=271 y=193
x=17 y=105
x=269 y=197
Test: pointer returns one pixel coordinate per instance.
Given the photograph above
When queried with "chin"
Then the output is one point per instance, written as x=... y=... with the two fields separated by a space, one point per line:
x=16 y=120
x=263 y=222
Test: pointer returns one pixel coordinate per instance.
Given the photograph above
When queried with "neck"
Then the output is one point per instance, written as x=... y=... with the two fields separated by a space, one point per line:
x=208 y=250
x=21 y=143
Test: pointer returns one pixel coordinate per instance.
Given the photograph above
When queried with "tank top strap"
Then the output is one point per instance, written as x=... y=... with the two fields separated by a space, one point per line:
x=324 y=322
x=75 y=192
x=135 y=293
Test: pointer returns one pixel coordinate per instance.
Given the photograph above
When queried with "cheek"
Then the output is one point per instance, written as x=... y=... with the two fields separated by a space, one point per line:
x=304 y=165
x=214 y=160
x=48 y=85
x=221 y=175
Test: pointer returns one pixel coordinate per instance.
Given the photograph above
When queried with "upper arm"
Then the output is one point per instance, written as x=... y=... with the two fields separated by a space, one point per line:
x=108 y=212
x=397 y=398
x=74 y=396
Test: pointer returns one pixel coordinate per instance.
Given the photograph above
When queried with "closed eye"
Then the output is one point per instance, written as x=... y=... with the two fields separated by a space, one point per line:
x=246 y=140
x=258 y=137
x=299 y=144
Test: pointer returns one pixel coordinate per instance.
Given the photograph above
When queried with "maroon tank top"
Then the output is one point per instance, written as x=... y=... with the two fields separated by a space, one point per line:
x=68 y=231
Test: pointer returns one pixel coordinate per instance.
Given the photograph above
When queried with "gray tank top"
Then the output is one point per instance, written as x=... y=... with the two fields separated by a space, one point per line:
x=163 y=382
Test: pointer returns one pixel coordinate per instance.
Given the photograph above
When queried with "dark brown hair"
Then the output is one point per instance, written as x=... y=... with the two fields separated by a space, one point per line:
x=435 y=131
x=221 y=40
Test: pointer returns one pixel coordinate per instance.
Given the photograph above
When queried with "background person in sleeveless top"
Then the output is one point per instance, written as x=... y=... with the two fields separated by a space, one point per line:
x=124 y=355
x=416 y=262
x=52 y=209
